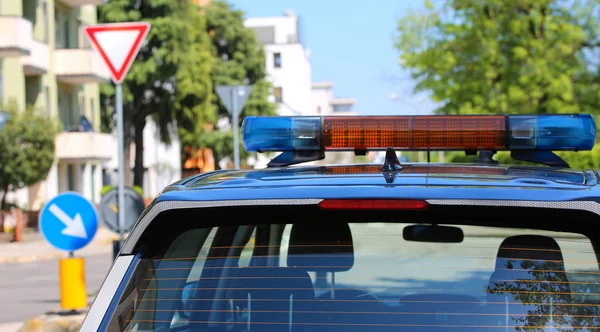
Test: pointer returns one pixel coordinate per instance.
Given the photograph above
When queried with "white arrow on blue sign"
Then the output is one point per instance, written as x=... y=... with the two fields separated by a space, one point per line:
x=69 y=221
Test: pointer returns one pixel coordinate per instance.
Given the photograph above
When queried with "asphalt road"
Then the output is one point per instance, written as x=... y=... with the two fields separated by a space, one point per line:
x=31 y=289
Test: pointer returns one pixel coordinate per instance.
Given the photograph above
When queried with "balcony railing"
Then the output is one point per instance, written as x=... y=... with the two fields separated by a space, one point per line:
x=79 y=66
x=77 y=3
x=80 y=146
x=38 y=61
x=15 y=36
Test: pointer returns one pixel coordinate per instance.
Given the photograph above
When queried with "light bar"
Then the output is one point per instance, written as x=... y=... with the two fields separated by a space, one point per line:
x=459 y=133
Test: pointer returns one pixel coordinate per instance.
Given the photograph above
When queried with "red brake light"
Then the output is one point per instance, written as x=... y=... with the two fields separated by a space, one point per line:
x=373 y=204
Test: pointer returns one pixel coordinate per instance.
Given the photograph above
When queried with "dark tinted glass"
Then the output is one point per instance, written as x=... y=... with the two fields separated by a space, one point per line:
x=333 y=275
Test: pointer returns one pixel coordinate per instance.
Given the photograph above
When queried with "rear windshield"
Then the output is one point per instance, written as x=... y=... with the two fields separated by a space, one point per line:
x=370 y=273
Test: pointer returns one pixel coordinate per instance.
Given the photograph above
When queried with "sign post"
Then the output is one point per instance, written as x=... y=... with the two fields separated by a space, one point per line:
x=234 y=98
x=69 y=222
x=118 y=44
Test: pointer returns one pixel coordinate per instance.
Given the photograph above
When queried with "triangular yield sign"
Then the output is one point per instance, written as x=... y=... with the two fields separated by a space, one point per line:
x=227 y=92
x=118 y=44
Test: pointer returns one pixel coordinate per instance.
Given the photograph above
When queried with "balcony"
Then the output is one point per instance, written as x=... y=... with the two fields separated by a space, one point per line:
x=79 y=66
x=38 y=61
x=84 y=146
x=77 y=3
x=15 y=37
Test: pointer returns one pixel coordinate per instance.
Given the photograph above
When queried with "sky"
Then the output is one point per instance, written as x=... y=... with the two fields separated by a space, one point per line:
x=351 y=44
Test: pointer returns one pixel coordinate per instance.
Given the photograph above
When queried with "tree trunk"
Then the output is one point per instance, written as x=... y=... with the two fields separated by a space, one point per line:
x=138 y=168
x=2 y=208
x=127 y=139
x=3 y=200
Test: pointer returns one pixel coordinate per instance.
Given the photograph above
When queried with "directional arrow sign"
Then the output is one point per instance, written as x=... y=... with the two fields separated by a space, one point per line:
x=69 y=221
x=118 y=44
x=74 y=227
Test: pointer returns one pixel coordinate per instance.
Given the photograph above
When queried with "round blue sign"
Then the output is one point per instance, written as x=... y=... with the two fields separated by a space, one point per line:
x=69 y=221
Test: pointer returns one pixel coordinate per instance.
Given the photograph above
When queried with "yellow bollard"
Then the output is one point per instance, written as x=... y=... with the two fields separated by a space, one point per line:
x=72 y=284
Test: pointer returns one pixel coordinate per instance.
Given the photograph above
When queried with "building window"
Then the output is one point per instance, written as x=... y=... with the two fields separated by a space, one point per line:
x=93 y=183
x=67 y=33
x=1 y=88
x=277 y=60
x=278 y=95
x=45 y=20
x=70 y=178
x=47 y=104
x=57 y=31
x=68 y=114
x=92 y=112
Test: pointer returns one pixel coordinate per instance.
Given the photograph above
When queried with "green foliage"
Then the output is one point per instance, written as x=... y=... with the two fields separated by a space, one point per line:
x=496 y=56
x=107 y=188
x=500 y=57
x=27 y=143
x=174 y=76
x=169 y=79
x=239 y=59
x=576 y=160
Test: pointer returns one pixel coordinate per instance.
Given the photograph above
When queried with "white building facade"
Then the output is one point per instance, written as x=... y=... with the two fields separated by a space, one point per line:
x=287 y=61
x=162 y=163
x=324 y=102
x=289 y=71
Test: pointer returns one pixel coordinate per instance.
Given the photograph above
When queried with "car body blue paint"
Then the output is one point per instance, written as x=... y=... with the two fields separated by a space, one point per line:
x=420 y=181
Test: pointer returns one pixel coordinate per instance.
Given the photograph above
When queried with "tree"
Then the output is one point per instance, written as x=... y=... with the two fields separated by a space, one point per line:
x=545 y=295
x=169 y=80
x=238 y=59
x=498 y=56
x=26 y=149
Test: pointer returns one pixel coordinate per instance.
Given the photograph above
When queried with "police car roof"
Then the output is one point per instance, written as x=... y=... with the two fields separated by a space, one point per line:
x=426 y=181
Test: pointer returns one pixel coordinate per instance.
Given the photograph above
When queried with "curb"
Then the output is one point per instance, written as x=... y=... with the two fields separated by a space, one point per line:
x=31 y=258
x=53 y=323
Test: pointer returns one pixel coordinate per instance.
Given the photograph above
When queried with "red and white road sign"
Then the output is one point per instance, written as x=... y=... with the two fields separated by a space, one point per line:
x=118 y=44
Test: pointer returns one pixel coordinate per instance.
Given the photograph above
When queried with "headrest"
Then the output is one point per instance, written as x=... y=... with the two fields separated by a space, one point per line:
x=529 y=251
x=321 y=247
x=527 y=263
x=273 y=282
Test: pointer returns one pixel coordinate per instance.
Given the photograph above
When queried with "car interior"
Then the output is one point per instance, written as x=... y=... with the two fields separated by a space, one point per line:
x=289 y=277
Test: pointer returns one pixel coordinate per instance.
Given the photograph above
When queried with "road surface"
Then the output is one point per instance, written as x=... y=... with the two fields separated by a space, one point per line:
x=31 y=289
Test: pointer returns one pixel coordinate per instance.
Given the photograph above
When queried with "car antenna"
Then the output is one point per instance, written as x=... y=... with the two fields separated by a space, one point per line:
x=391 y=165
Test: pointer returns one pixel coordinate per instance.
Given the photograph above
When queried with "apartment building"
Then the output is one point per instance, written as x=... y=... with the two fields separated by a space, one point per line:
x=46 y=61
x=287 y=61
x=324 y=102
x=289 y=71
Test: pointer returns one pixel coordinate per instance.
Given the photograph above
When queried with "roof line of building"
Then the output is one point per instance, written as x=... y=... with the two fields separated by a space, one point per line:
x=343 y=101
x=322 y=84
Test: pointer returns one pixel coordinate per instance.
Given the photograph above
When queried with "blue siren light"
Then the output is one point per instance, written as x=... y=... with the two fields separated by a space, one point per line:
x=552 y=132
x=281 y=133
x=437 y=132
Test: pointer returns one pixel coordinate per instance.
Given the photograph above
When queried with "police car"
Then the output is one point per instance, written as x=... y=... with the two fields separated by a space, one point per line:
x=371 y=247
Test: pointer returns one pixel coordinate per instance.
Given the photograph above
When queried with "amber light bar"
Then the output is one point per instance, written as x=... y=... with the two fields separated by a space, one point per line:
x=562 y=132
x=415 y=132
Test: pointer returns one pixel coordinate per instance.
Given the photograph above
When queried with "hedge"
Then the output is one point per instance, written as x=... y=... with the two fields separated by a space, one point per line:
x=108 y=188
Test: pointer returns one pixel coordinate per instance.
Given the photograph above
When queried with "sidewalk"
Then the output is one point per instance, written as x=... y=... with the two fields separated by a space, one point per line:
x=10 y=327
x=38 y=249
